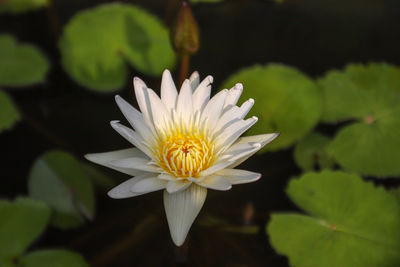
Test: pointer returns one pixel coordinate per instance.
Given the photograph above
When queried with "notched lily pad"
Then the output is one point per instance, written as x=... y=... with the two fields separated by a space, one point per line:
x=9 y=113
x=21 y=222
x=58 y=179
x=286 y=101
x=20 y=64
x=350 y=223
x=310 y=153
x=367 y=96
x=98 y=43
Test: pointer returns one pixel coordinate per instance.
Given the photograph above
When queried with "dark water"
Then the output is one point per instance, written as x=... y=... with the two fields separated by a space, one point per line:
x=312 y=35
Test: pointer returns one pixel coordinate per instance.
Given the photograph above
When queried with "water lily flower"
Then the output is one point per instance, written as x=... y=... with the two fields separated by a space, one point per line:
x=184 y=144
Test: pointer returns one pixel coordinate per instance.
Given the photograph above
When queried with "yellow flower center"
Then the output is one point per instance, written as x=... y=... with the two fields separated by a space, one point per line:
x=185 y=156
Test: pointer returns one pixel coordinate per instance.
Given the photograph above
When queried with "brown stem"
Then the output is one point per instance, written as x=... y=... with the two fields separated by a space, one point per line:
x=53 y=19
x=184 y=68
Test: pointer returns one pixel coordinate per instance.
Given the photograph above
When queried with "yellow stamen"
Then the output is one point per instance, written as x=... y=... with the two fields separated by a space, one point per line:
x=184 y=154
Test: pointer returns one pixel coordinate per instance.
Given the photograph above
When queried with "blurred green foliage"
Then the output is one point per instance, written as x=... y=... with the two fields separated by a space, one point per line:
x=58 y=179
x=367 y=96
x=310 y=152
x=350 y=223
x=286 y=101
x=97 y=43
x=9 y=113
x=20 y=6
x=20 y=64
x=21 y=223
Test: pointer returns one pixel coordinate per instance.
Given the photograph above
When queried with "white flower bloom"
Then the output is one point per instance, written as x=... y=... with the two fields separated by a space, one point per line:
x=185 y=144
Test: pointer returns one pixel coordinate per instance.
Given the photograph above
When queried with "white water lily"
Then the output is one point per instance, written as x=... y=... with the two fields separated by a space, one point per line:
x=185 y=144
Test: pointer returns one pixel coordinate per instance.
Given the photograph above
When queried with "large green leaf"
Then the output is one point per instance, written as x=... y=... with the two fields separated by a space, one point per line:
x=20 y=64
x=53 y=258
x=97 y=43
x=350 y=223
x=310 y=152
x=58 y=179
x=20 y=6
x=9 y=114
x=286 y=101
x=21 y=222
x=369 y=96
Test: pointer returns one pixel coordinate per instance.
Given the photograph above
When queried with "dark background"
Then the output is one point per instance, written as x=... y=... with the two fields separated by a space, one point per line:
x=312 y=35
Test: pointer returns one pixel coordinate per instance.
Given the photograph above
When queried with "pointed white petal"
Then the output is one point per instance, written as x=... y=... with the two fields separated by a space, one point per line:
x=135 y=118
x=184 y=107
x=233 y=131
x=213 y=109
x=178 y=185
x=239 y=151
x=124 y=190
x=105 y=158
x=202 y=94
x=169 y=94
x=134 y=163
x=233 y=96
x=194 y=80
x=216 y=167
x=262 y=139
x=161 y=117
x=216 y=182
x=235 y=176
x=132 y=137
x=142 y=98
x=181 y=209
x=148 y=185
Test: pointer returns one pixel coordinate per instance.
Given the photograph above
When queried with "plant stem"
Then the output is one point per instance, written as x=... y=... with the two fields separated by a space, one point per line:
x=184 y=67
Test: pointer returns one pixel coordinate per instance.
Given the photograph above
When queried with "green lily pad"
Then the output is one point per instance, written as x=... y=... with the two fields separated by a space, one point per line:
x=58 y=179
x=21 y=6
x=350 y=223
x=286 y=101
x=20 y=64
x=21 y=222
x=368 y=96
x=98 y=43
x=9 y=113
x=310 y=152
x=53 y=258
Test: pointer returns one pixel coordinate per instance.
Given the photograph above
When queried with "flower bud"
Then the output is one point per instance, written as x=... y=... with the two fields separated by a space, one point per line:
x=186 y=32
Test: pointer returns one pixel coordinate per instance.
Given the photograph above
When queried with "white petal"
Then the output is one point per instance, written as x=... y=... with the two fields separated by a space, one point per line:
x=239 y=151
x=194 y=80
x=105 y=158
x=168 y=177
x=169 y=94
x=201 y=95
x=142 y=98
x=216 y=182
x=182 y=209
x=213 y=110
x=148 y=185
x=216 y=167
x=232 y=132
x=132 y=137
x=233 y=114
x=135 y=118
x=178 y=185
x=262 y=139
x=124 y=190
x=135 y=163
x=233 y=96
x=184 y=107
x=160 y=114
x=235 y=176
